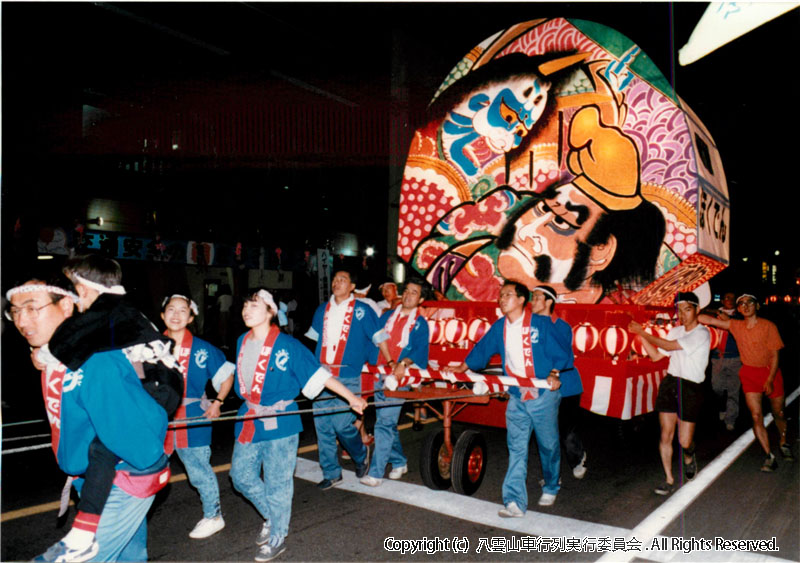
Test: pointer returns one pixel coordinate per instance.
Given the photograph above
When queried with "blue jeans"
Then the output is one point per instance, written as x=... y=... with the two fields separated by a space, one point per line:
x=272 y=494
x=122 y=533
x=388 y=448
x=202 y=477
x=337 y=425
x=540 y=416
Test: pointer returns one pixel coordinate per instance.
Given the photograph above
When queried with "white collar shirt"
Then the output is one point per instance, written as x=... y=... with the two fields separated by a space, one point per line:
x=515 y=358
x=333 y=326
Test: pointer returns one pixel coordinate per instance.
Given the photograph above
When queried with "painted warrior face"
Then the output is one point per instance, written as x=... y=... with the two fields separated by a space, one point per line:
x=493 y=120
x=548 y=245
x=505 y=113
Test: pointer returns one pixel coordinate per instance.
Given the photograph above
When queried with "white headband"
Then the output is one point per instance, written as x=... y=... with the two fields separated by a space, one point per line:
x=34 y=287
x=547 y=292
x=365 y=290
x=742 y=296
x=266 y=297
x=192 y=305
x=114 y=289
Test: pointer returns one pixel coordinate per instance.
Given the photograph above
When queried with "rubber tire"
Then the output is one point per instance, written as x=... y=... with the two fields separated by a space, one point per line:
x=470 y=448
x=429 y=462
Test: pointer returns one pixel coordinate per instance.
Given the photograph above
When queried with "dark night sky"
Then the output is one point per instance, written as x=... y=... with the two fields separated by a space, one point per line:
x=57 y=55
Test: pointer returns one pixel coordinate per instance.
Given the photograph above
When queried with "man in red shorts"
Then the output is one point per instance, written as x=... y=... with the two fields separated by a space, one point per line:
x=759 y=344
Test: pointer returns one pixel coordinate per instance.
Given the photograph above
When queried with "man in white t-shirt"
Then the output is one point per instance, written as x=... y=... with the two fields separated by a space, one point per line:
x=680 y=394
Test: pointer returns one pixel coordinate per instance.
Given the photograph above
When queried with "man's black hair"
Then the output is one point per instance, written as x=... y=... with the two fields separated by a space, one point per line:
x=350 y=272
x=547 y=297
x=425 y=289
x=521 y=289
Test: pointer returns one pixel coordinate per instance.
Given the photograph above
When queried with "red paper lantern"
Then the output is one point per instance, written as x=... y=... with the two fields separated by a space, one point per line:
x=637 y=342
x=455 y=330
x=584 y=338
x=659 y=331
x=637 y=345
x=614 y=340
x=477 y=327
x=716 y=337
x=436 y=331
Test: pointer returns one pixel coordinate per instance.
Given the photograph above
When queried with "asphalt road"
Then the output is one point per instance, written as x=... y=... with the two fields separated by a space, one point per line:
x=610 y=512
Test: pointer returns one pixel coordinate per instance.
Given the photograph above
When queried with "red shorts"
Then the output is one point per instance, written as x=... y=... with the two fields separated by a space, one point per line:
x=753 y=380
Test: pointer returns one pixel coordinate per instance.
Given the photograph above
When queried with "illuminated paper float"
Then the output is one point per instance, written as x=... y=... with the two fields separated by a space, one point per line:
x=554 y=103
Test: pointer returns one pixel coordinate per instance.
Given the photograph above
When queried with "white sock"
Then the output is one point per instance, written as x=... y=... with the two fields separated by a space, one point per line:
x=78 y=539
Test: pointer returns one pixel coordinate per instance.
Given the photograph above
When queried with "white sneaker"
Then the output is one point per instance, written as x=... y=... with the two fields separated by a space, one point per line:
x=547 y=499
x=264 y=533
x=579 y=471
x=370 y=481
x=269 y=552
x=398 y=472
x=207 y=527
x=511 y=510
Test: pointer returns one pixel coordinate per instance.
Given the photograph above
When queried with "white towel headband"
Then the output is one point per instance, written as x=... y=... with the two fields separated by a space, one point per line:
x=192 y=305
x=34 y=287
x=114 y=289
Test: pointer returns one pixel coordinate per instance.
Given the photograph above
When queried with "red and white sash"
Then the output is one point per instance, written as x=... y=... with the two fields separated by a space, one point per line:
x=340 y=344
x=52 y=390
x=257 y=386
x=398 y=334
x=527 y=393
x=181 y=435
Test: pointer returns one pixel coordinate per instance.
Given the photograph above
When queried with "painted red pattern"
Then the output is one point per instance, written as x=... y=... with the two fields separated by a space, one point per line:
x=429 y=251
x=554 y=35
x=422 y=204
x=485 y=216
x=474 y=280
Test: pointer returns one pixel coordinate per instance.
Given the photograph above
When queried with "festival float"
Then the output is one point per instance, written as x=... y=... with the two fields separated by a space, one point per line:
x=555 y=153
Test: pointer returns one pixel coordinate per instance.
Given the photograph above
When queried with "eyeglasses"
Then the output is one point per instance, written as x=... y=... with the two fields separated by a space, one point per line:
x=14 y=313
x=747 y=302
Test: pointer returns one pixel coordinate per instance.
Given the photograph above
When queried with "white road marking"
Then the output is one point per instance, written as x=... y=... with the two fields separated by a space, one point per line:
x=463 y=507
x=661 y=517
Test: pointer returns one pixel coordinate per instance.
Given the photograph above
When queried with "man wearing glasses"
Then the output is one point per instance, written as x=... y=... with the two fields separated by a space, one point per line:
x=759 y=345
x=78 y=407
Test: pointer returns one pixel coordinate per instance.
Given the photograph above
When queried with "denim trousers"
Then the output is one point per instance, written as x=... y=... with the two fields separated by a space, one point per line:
x=388 y=448
x=122 y=533
x=271 y=494
x=539 y=416
x=196 y=460
x=329 y=427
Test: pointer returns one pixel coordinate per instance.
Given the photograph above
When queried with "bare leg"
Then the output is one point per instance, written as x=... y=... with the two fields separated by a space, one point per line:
x=668 y=421
x=780 y=418
x=686 y=436
x=754 y=404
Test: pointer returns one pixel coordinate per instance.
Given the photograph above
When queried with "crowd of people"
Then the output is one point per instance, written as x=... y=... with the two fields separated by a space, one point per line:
x=102 y=360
